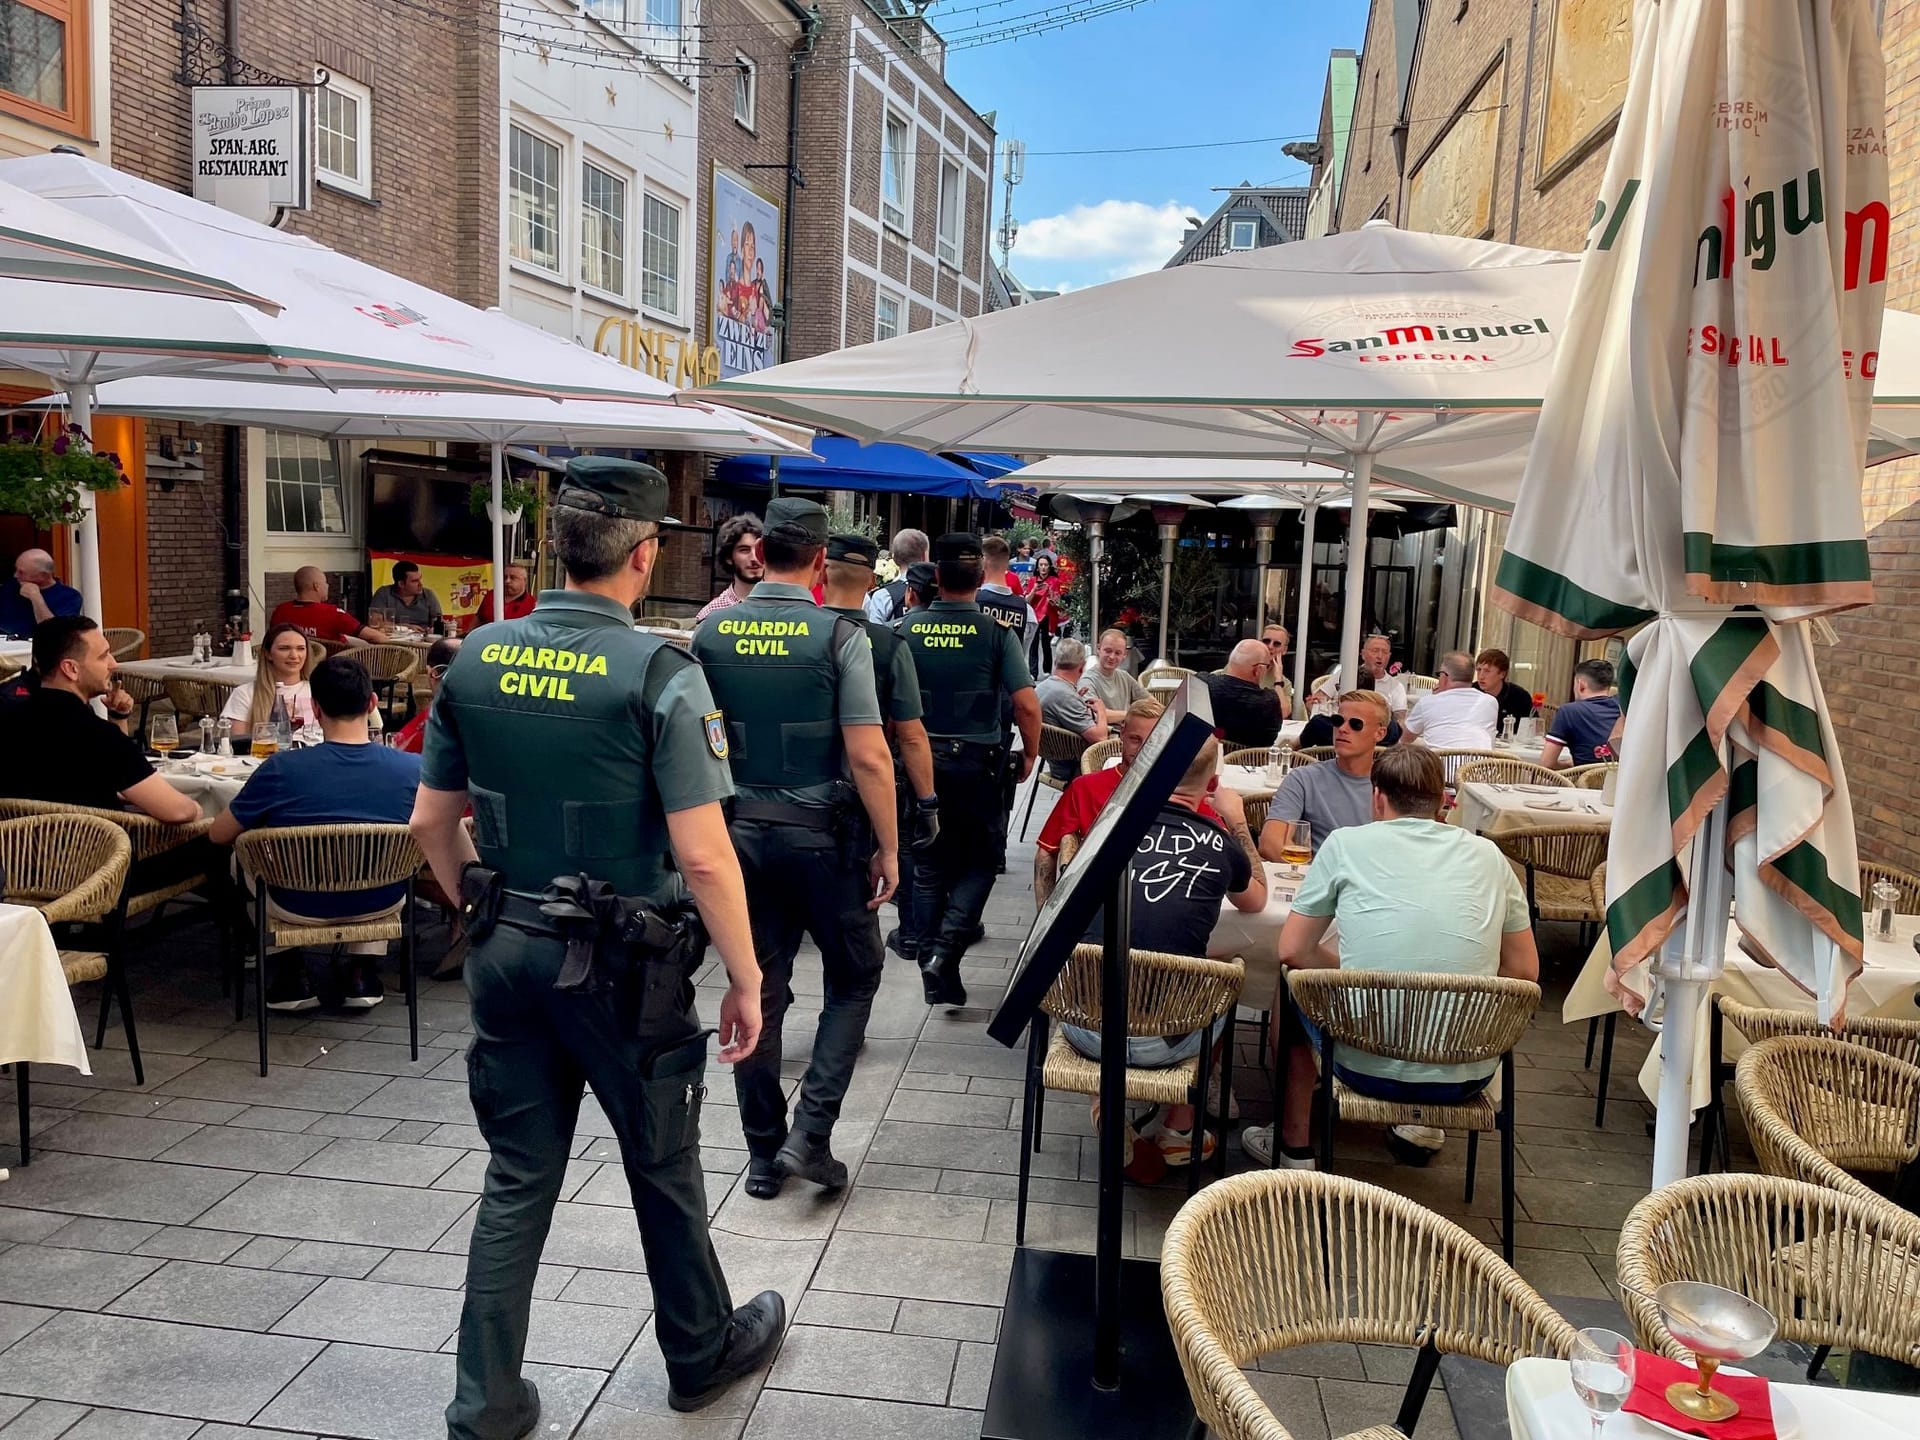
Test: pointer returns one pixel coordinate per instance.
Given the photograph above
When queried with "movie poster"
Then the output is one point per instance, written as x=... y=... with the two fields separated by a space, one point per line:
x=745 y=275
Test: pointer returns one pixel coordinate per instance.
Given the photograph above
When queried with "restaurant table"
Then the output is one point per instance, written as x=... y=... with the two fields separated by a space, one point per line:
x=1888 y=986
x=1255 y=936
x=1529 y=750
x=210 y=780
x=1495 y=810
x=181 y=667
x=38 y=1023
x=1541 y=1405
x=21 y=650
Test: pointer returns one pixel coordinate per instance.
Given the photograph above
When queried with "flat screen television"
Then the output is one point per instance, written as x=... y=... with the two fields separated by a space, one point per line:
x=415 y=510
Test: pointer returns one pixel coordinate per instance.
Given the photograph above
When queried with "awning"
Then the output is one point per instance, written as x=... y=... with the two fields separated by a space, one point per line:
x=989 y=463
x=841 y=464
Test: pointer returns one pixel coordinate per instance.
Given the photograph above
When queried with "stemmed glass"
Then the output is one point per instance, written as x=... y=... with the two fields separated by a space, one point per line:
x=163 y=732
x=1602 y=1363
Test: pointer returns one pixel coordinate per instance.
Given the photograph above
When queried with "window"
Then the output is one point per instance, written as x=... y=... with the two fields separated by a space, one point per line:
x=896 y=167
x=1243 y=234
x=660 y=256
x=603 y=230
x=949 y=212
x=663 y=19
x=746 y=93
x=43 y=60
x=533 y=200
x=343 y=135
x=886 y=316
x=304 y=493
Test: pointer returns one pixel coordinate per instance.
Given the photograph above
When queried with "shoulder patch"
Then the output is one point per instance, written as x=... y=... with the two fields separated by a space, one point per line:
x=716 y=726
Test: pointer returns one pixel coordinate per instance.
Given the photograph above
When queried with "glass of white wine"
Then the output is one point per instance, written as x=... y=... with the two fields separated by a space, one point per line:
x=1602 y=1363
x=163 y=732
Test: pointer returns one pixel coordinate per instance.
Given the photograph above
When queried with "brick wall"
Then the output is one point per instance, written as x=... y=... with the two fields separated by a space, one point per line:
x=1371 y=179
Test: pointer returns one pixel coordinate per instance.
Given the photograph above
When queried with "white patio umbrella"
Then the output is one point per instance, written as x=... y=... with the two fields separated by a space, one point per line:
x=1670 y=485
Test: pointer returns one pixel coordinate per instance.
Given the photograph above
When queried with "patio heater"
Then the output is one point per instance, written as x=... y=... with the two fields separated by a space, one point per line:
x=1167 y=515
x=1095 y=512
x=1264 y=516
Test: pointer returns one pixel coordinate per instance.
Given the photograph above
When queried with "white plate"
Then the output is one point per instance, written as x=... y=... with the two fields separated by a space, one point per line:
x=1786 y=1420
x=1559 y=805
x=1540 y=789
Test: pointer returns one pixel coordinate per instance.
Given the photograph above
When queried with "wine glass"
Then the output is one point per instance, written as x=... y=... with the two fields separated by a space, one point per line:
x=1297 y=848
x=163 y=732
x=1602 y=1364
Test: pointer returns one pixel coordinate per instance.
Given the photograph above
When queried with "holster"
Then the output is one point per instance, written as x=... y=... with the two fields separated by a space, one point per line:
x=852 y=826
x=480 y=892
x=643 y=954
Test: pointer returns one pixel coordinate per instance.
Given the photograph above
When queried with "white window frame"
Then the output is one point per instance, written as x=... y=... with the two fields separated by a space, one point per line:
x=328 y=473
x=947 y=245
x=589 y=219
x=746 y=116
x=899 y=304
x=897 y=217
x=362 y=98
x=1253 y=233
x=558 y=270
x=674 y=203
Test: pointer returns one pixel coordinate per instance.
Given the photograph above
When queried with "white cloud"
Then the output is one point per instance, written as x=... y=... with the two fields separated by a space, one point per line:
x=1121 y=237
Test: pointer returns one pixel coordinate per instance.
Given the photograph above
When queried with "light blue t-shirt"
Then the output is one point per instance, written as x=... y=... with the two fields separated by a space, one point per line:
x=1414 y=896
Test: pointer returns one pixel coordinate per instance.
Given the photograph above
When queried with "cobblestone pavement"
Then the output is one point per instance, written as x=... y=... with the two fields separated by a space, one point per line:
x=220 y=1255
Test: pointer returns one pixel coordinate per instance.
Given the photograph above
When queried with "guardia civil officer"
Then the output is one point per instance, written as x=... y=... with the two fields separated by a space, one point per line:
x=589 y=750
x=816 y=825
x=967 y=662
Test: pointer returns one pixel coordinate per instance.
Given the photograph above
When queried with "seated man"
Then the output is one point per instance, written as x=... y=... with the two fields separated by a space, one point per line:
x=346 y=781
x=1490 y=669
x=1332 y=794
x=1588 y=721
x=1087 y=795
x=407 y=599
x=33 y=596
x=413 y=734
x=1112 y=686
x=520 y=598
x=1376 y=659
x=1457 y=715
x=1277 y=640
x=61 y=751
x=319 y=617
x=1062 y=707
x=1408 y=894
x=1185 y=866
x=1245 y=710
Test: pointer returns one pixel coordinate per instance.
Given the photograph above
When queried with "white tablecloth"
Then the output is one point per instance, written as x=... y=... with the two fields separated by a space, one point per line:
x=37 y=1019
x=212 y=781
x=181 y=667
x=1489 y=810
x=1541 y=1405
x=1255 y=936
x=21 y=650
x=1250 y=782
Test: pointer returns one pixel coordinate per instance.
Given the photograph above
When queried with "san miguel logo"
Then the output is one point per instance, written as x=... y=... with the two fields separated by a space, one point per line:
x=1450 y=343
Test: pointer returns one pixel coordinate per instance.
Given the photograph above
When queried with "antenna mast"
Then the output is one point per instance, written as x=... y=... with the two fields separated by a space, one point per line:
x=1013 y=159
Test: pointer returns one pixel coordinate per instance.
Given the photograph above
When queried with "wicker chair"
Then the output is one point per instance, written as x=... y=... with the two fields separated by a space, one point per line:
x=1254 y=755
x=392 y=668
x=1276 y=1259
x=1319 y=683
x=193 y=698
x=1506 y=772
x=149 y=837
x=1564 y=871
x=1055 y=744
x=72 y=868
x=1166 y=995
x=1589 y=777
x=1452 y=761
x=146 y=692
x=1160 y=670
x=1312 y=753
x=1817 y=1108
x=329 y=859
x=1833 y=1269
x=1096 y=755
x=11 y=665
x=1905 y=881
x=1256 y=814
x=1427 y=1020
x=127 y=642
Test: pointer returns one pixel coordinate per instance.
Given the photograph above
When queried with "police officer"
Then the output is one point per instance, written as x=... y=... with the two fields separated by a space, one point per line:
x=584 y=746
x=850 y=563
x=967 y=662
x=816 y=826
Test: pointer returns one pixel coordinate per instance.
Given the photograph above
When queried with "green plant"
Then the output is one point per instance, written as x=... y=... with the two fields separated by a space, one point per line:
x=1026 y=530
x=514 y=495
x=43 y=478
x=846 y=519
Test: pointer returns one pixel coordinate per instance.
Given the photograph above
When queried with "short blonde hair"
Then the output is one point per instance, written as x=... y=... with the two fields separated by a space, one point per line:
x=1371 y=698
x=1101 y=638
x=1203 y=767
x=1146 y=708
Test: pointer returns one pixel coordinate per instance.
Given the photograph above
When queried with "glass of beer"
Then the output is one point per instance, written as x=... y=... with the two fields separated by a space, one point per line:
x=163 y=732
x=1297 y=849
x=264 y=744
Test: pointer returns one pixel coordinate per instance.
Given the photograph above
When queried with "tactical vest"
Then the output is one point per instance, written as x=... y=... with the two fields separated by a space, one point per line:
x=1011 y=608
x=957 y=656
x=770 y=664
x=886 y=645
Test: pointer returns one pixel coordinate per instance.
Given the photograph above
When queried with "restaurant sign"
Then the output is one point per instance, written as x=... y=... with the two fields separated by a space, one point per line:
x=252 y=148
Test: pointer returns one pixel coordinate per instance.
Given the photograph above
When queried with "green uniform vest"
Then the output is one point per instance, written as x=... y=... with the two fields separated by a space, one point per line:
x=956 y=653
x=770 y=664
x=886 y=645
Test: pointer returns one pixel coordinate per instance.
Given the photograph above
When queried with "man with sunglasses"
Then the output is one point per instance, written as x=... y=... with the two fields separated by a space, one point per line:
x=1334 y=793
x=1246 y=712
x=412 y=736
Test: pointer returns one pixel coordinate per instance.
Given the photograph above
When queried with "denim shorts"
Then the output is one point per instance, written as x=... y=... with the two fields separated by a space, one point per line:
x=1405 y=1092
x=1145 y=1052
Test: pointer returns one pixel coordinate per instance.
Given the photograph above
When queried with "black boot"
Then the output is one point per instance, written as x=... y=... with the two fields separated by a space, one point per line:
x=764 y=1178
x=901 y=946
x=810 y=1157
x=940 y=980
x=752 y=1334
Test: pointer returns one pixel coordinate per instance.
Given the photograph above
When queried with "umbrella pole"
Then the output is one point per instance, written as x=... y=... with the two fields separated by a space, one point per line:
x=1356 y=569
x=1691 y=960
x=1306 y=600
x=86 y=535
x=498 y=513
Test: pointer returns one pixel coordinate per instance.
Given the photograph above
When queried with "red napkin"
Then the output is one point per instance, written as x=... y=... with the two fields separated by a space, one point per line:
x=1652 y=1374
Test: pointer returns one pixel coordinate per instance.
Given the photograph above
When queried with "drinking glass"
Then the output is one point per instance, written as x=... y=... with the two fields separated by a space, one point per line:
x=163 y=732
x=1602 y=1364
x=1297 y=849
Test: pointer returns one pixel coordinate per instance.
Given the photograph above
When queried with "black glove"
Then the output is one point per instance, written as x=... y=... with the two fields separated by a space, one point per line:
x=923 y=823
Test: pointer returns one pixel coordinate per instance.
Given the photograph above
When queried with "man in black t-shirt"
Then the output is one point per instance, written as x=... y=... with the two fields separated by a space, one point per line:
x=1490 y=674
x=1245 y=709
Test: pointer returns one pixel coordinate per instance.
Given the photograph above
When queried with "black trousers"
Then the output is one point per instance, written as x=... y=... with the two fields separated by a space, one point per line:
x=951 y=881
x=533 y=1051
x=799 y=882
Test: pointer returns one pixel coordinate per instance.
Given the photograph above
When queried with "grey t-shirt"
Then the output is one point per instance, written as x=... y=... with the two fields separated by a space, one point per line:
x=1061 y=705
x=1325 y=796
x=423 y=610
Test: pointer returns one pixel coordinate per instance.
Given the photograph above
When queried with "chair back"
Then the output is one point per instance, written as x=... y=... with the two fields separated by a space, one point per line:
x=1274 y=1259
x=1833 y=1269
x=11 y=665
x=149 y=837
x=1506 y=772
x=1312 y=753
x=1898 y=1038
x=1061 y=745
x=1096 y=755
x=1570 y=851
x=1426 y=1019
x=193 y=698
x=1453 y=761
x=328 y=859
x=1319 y=683
x=1254 y=755
x=1161 y=670
x=1256 y=814
x=1905 y=881
x=1817 y=1108
x=385 y=662
x=69 y=866
x=127 y=642
x=1166 y=994
x=1590 y=777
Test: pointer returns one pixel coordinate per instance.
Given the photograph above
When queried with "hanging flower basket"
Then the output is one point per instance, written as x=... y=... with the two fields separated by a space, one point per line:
x=43 y=478
x=516 y=499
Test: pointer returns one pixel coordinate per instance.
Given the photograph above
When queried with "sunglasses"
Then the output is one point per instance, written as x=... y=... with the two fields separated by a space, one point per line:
x=1354 y=722
x=1276 y=644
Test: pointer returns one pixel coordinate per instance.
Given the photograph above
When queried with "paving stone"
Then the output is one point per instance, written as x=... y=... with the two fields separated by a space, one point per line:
x=594 y=1237
x=180 y=1242
x=380 y=1162
x=916 y=1268
x=795 y=1415
x=227 y=1296
x=27 y=1226
x=324 y=1257
x=830 y=1361
x=304 y=1208
x=411 y=1132
x=915 y=1212
x=1054 y=1227
x=1329 y=1361
x=607 y=1421
x=849 y=1312
x=1351 y=1405
x=88 y=1233
x=131 y=1424
x=351 y=1127
x=127 y=1136
x=124 y=1363
x=897 y=1177
x=113 y=1070
x=960 y=1147
x=293 y=1051
x=17 y=1320
x=625 y=1289
x=42 y=1419
x=373 y=1057
x=284 y=1086
x=465 y=1136
x=261 y=1252
x=1551 y=1272
x=1295 y=1402
x=243 y=1432
x=972 y=1377
x=200 y=1112
x=928 y=1080
x=933 y=1107
x=639 y=1386
x=406 y=1317
x=226 y=1147
x=377 y=1394
x=417 y=1267
x=437 y=1101
x=951 y=1322
x=594 y=1336
x=943 y=1059
x=69 y=1279
x=275 y=1117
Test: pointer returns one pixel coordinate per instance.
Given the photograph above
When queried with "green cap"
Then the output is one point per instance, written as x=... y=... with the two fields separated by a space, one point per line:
x=857 y=549
x=804 y=521
x=957 y=545
x=619 y=489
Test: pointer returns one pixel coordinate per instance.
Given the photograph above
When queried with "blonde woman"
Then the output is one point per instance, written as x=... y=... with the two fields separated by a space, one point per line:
x=287 y=659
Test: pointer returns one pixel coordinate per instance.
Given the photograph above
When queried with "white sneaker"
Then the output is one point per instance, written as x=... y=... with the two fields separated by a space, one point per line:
x=1425 y=1136
x=1257 y=1141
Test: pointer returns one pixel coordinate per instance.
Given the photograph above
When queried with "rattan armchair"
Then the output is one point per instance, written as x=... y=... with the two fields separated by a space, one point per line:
x=1166 y=995
x=126 y=641
x=193 y=698
x=1312 y=754
x=1096 y=755
x=1589 y=777
x=72 y=868
x=1426 y=1019
x=1253 y=755
x=1161 y=670
x=391 y=666
x=1817 y=1108
x=329 y=859
x=1256 y=814
x=1277 y=1259
x=1453 y=761
x=1061 y=746
x=1833 y=1269
x=149 y=837
x=1905 y=881
x=146 y=692
x=1506 y=772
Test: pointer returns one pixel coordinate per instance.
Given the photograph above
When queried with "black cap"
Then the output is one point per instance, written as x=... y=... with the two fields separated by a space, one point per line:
x=619 y=489
x=956 y=545
x=923 y=576
x=857 y=549
x=801 y=521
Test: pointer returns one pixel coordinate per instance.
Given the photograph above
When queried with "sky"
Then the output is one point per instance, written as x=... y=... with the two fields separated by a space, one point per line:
x=1167 y=73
